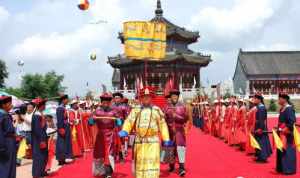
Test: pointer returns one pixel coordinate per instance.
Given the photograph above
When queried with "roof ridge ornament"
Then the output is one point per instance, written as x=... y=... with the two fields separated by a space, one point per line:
x=159 y=11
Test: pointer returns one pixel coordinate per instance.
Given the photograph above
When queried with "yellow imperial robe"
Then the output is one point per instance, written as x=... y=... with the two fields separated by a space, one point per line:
x=147 y=124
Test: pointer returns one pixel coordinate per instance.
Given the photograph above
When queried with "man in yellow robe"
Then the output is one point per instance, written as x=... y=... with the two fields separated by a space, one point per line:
x=147 y=123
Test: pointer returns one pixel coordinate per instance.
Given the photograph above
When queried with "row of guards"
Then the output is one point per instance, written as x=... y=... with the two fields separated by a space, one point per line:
x=243 y=123
x=63 y=137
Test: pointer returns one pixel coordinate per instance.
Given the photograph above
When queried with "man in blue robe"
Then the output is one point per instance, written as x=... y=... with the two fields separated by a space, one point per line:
x=64 y=142
x=286 y=160
x=39 y=140
x=7 y=140
x=261 y=130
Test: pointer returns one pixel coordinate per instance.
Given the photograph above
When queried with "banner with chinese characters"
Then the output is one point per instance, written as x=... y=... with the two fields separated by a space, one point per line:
x=145 y=40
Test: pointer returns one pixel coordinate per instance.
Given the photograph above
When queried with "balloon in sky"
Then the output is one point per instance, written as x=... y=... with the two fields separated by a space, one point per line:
x=20 y=63
x=93 y=56
x=83 y=5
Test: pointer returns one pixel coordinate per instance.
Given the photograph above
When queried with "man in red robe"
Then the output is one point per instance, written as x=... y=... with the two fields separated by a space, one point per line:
x=76 y=129
x=177 y=118
x=232 y=140
x=87 y=133
x=241 y=124
x=215 y=120
x=106 y=121
x=250 y=124
x=121 y=112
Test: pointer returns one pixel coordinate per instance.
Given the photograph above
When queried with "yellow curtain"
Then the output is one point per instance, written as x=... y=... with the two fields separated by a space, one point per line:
x=145 y=40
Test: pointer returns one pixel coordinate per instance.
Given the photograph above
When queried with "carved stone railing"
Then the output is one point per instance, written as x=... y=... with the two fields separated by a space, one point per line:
x=186 y=93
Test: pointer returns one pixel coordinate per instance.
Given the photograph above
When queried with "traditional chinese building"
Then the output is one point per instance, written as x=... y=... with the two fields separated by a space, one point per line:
x=180 y=61
x=267 y=72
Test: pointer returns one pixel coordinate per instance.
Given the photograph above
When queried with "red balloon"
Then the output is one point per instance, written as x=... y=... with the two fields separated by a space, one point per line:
x=83 y=5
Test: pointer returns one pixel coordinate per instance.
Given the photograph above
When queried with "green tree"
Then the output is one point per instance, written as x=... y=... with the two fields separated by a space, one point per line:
x=14 y=91
x=46 y=86
x=89 y=95
x=227 y=94
x=54 y=83
x=3 y=73
x=272 y=106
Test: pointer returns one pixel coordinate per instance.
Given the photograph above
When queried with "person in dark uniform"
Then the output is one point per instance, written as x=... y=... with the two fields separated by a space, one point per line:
x=39 y=139
x=261 y=130
x=286 y=159
x=8 y=155
x=64 y=142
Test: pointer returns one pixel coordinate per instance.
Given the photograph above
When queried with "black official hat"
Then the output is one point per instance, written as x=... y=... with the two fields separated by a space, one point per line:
x=259 y=96
x=174 y=92
x=284 y=96
x=118 y=94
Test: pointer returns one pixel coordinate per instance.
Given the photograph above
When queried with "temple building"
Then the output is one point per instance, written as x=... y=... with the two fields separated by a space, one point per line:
x=269 y=72
x=180 y=63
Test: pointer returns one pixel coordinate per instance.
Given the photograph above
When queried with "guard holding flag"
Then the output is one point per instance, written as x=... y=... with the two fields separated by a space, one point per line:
x=39 y=140
x=261 y=130
x=286 y=159
x=8 y=155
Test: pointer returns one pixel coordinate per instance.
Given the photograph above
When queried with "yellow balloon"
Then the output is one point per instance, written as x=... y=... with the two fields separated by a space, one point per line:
x=93 y=56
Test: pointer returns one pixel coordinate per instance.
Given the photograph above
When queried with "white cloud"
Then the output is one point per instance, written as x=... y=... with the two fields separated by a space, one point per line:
x=4 y=15
x=61 y=45
x=57 y=46
x=109 y=10
x=274 y=47
x=244 y=17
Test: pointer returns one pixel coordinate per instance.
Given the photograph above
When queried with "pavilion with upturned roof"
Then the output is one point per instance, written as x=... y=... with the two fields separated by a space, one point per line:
x=180 y=62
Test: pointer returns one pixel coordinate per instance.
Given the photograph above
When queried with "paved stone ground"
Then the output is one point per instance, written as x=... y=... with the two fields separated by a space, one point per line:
x=24 y=171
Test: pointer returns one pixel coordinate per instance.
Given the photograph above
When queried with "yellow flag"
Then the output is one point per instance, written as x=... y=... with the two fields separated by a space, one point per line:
x=74 y=134
x=277 y=141
x=22 y=149
x=296 y=138
x=145 y=40
x=254 y=143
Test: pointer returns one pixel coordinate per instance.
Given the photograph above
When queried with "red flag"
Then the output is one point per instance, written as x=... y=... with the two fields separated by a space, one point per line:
x=169 y=86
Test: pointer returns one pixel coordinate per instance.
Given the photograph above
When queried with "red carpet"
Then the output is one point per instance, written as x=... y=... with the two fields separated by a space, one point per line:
x=207 y=157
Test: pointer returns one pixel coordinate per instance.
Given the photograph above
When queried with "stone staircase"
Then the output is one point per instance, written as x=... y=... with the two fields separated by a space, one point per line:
x=159 y=101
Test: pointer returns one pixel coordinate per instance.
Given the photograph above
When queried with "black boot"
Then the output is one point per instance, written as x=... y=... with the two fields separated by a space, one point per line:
x=108 y=171
x=181 y=170
x=61 y=162
x=121 y=157
x=171 y=167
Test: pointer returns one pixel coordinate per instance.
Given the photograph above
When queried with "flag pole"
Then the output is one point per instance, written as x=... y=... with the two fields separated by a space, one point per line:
x=146 y=71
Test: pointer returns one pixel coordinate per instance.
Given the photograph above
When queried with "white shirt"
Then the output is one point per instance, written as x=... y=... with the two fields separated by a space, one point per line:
x=27 y=122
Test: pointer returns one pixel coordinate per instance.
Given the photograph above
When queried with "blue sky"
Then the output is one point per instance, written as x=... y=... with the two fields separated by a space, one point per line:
x=55 y=35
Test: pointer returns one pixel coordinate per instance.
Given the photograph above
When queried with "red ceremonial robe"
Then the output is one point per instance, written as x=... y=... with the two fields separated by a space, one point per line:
x=75 y=132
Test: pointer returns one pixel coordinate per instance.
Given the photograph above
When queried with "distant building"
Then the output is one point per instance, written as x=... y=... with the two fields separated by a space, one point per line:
x=180 y=61
x=268 y=72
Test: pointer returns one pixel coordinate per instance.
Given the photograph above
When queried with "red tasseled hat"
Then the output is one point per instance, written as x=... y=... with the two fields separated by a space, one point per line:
x=147 y=91
x=5 y=99
x=39 y=101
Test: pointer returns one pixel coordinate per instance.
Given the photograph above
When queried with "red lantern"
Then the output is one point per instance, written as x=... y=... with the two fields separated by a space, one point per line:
x=83 y=5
